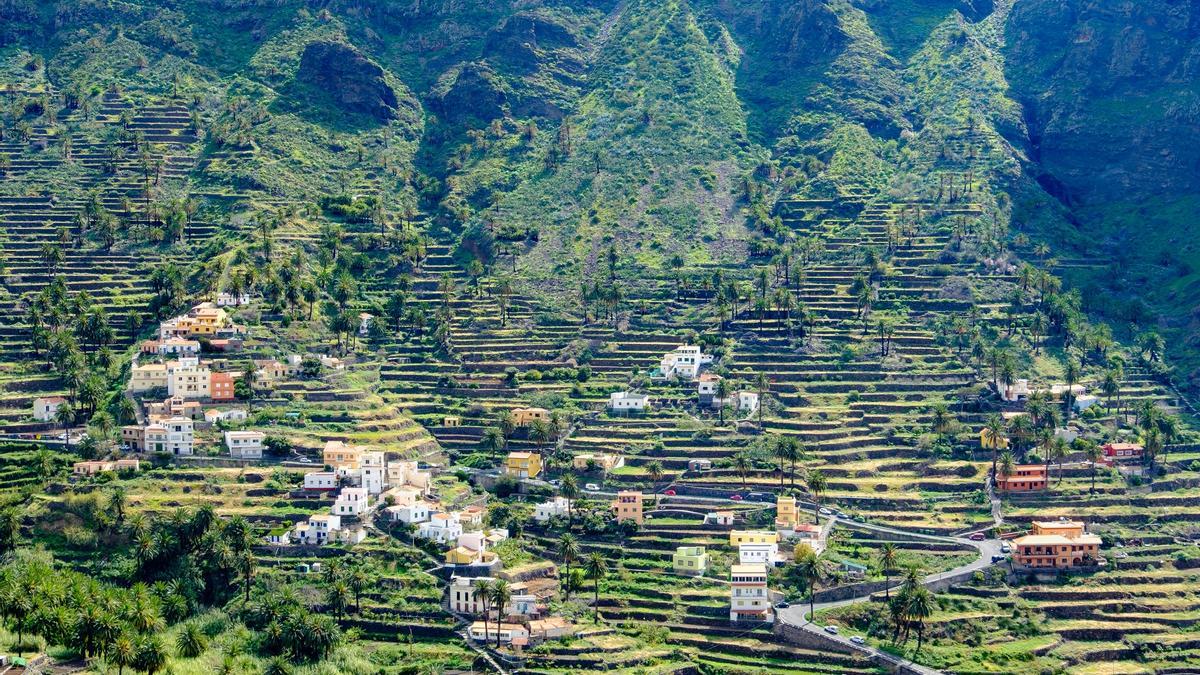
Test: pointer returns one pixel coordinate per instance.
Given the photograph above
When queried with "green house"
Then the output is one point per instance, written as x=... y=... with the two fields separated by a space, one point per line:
x=690 y=560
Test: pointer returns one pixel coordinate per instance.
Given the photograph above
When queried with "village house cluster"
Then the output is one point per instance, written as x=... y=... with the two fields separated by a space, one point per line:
x=361 y=480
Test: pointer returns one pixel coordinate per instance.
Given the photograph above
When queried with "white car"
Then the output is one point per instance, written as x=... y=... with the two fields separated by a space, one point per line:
x=592 y=487
x=858 y=640
x=1005 y=548
x=826 y=512
x=832 y=630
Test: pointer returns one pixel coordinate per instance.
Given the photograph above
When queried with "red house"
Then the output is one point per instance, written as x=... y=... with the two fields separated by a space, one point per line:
x=1123 y=450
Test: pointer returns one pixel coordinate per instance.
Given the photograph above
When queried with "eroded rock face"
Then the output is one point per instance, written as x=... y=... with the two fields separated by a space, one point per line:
x=475 y=92
x=351 y=80
x=519 y=38
x=1109 y=90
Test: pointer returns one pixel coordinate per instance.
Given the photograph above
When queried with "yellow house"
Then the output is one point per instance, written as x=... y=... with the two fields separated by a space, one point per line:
x=739 y=537
x=786 y=513
x=523 y=464
x=990 y=441
x=464 y=555
x=526 y=416
x=341 y=456
x=148 y=376
x=208 y=320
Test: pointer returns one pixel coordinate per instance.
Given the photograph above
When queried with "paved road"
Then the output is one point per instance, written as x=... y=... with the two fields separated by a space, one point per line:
x=796 y=615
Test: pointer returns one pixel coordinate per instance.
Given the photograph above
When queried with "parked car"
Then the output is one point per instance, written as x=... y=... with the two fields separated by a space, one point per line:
x=592 y=487
x=669 y=493
x=858 y=640
x=1005 y=548
x=978 y=536
x=736 y=498
x=999 y=558
x=825 y=512
x=832 y=630
x=782 y=605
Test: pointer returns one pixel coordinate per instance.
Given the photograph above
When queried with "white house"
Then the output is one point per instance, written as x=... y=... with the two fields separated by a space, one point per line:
x=1017 y=391
x=764 y=554
x=46 y=407
x=486 y=631
x=245 y=444
x=409 y=513
x=175 y=435
x=706 y=387
x=321 y=480
x=443 y=528
x=748 y=596
x=1085 y=401
x=232 y=300
x=372 y=472
x=319 y=529
x=364 y=323
x=187 y=378
x=743 y=401
x=623 y=401
x=724 y=518
x=463 y=597
x=352 y=502
x=556 y=507
x=685 y=362
x=279 y=536
x=212 y=415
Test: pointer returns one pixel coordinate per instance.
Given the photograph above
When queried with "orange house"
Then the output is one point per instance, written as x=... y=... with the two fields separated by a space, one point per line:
x=628 y=506
x=1024 y=478
x=220 y=387
x=1057 y=544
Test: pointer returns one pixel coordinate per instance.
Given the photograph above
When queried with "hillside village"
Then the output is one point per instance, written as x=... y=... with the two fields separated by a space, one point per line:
x=301 y=379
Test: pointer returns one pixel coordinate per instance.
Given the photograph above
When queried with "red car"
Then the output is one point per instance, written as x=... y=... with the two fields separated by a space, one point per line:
x=669 y=493
x=978 y=536
x=736 y=498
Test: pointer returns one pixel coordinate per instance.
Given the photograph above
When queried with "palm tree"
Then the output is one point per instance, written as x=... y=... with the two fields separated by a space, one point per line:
x=493 y=441
x=780 y=451
x=568 y=489
x=568 y=550
x=654 y=469
x=941 y=418
x=809 y=570
x=1072 y=375
x=741 y=462
x=1058 y=450
x=888 y=556
x=501 y=596
x=1007 y=463
x=151 y=655
x=482 y=593
x=1111 y=387
x=1093 y=453
x=539 y=432
x=65 y=416
x=122 y=653
x=816 y=485
x=190 y=642
x=919 y=608
x=338 y=598
x=724 y=389
x=595 y=568
x=762 y=384
x=995 y=430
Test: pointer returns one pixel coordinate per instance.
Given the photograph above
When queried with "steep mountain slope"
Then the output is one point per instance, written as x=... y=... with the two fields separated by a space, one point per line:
x=1112 y=94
